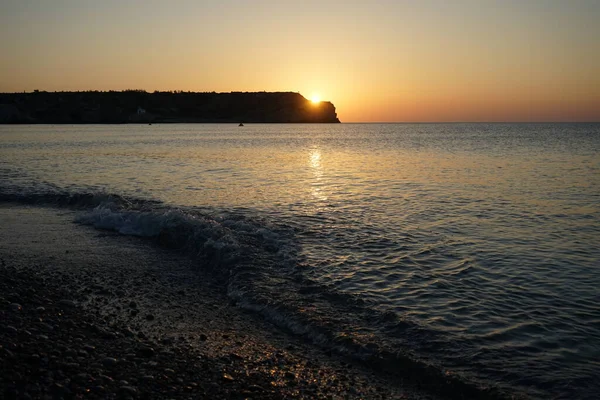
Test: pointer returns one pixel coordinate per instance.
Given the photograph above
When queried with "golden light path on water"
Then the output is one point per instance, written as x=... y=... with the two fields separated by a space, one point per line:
x=317 y=184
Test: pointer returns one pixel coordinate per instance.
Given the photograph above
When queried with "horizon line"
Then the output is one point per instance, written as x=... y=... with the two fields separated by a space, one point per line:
x=472 y=122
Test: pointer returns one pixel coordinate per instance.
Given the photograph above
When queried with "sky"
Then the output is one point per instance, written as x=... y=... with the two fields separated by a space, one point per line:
x=377 y=61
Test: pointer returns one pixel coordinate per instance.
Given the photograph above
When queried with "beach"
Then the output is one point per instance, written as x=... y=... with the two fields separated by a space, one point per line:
x=83 y=317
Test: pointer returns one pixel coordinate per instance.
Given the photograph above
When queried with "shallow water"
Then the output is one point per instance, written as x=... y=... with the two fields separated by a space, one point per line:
x=471 y=247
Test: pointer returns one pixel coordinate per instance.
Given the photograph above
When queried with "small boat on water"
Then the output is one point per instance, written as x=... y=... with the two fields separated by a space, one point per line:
x=241 y=124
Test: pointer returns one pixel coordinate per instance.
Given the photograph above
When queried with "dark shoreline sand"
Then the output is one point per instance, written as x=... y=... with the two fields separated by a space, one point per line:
x=93 y=314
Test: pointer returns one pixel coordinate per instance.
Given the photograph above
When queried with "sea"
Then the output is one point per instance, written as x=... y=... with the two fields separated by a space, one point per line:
x=463 y=253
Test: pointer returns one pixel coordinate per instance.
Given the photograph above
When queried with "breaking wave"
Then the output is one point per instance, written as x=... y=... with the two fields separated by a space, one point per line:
x=259 y=264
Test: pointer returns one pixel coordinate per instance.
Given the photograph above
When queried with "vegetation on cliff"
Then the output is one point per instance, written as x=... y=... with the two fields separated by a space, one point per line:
x=131 y=106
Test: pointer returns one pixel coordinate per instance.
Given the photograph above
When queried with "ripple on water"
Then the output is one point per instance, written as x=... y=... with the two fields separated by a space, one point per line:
x=472 y=245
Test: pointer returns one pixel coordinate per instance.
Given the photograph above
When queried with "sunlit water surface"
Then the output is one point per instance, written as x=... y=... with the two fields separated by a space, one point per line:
x=484 y=239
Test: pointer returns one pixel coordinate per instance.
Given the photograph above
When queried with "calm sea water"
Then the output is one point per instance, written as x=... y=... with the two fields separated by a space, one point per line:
x=474 y=248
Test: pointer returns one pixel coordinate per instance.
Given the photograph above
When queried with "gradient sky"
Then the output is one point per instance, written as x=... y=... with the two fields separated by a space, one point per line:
x=381 y=60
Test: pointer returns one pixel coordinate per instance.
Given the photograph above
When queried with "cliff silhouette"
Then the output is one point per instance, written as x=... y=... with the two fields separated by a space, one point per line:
x=138 y=106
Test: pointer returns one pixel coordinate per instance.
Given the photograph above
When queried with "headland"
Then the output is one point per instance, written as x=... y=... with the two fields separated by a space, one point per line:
x=139 y=106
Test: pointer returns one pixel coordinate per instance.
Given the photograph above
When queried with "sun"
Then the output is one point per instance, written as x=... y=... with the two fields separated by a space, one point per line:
x=315 y=98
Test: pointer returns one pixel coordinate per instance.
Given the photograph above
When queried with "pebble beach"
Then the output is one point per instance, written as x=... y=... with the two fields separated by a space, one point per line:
x=83 y=318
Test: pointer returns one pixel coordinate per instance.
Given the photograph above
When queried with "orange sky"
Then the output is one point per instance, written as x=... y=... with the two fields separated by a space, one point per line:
x=429 y=60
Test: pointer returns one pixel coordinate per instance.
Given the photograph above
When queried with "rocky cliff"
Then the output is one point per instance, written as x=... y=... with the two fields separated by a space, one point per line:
x=137 y=106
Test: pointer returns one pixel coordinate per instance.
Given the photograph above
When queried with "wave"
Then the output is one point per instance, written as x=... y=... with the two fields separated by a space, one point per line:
x=259 y=264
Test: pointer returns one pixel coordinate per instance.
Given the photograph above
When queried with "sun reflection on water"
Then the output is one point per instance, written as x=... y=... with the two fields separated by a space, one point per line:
x=314 y=161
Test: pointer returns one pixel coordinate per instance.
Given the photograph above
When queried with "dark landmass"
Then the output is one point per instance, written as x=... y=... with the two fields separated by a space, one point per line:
x=138 y=106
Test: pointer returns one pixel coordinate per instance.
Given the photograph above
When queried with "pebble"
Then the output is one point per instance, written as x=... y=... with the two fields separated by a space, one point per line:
x=107 y=334
x=16 y=307
x=70 y=365
x=98 y=389
x=46 y=326
x=145 y=351
x=82 y=378
x=228 y=378
x=59 y=389
x=11 y=329
x=255 y=388
x=9 y=354
x=67 y=303
x=70 y=353
x=128 y=390
x=290 y=375
x=89 y=348
x=109 y=362
x=34 y=358
x=105 y=378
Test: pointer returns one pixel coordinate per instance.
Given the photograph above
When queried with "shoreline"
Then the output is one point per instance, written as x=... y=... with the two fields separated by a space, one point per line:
x=128 y=319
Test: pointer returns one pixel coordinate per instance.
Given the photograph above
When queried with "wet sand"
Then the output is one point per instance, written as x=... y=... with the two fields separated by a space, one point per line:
x=92 y=314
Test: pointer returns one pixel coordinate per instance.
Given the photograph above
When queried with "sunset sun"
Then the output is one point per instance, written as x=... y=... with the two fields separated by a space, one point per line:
x=315 y=98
